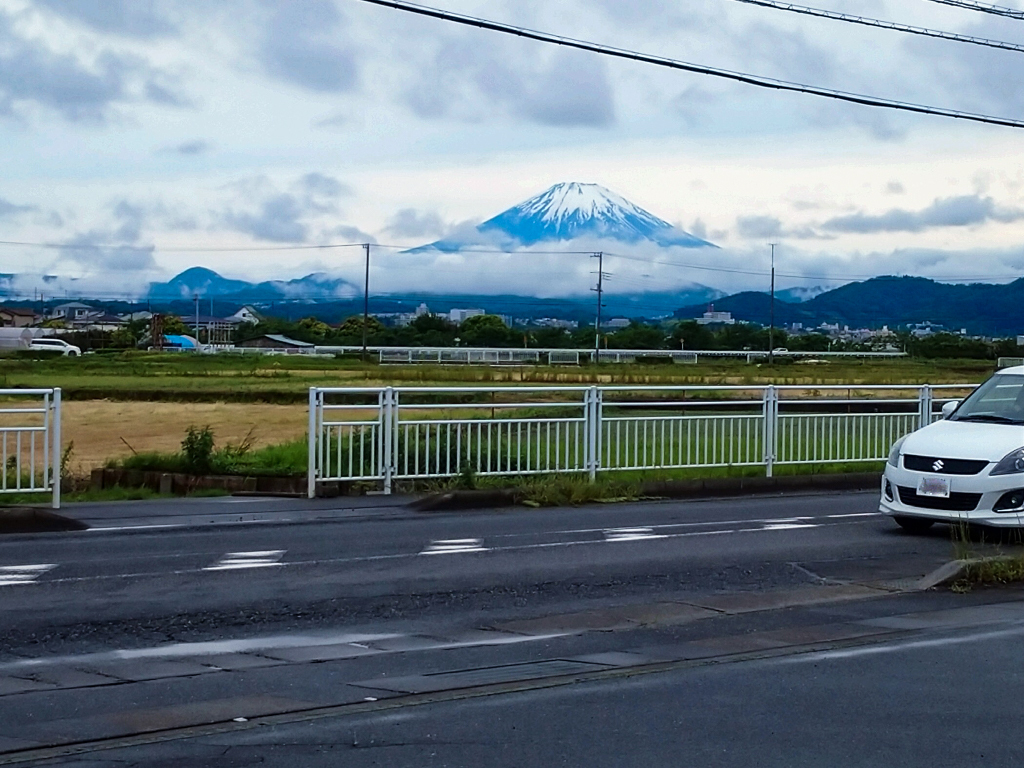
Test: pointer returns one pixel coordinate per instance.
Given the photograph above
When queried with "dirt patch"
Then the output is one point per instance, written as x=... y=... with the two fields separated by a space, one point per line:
x=98 y=426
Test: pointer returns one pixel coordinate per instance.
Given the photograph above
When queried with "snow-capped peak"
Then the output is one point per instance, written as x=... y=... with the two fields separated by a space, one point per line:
x=571 y=210
x=572 y=200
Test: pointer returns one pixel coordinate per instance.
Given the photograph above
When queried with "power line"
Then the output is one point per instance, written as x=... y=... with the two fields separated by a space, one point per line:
x=749 y=79
x=869 y=22
x=972 y=5
x=150 y=248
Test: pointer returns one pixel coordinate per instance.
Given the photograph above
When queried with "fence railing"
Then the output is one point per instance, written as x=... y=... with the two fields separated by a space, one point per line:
x=388 y=434
x=30 y=442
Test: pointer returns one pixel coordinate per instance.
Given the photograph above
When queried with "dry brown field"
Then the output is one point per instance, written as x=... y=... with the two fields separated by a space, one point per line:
x=104 y=429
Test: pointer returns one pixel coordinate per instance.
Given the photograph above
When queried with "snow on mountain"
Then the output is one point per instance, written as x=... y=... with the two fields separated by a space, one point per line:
x=570 y=211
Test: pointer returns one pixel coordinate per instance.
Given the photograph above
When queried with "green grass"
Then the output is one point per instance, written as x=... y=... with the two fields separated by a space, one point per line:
x=286 y=379
x=289 y=458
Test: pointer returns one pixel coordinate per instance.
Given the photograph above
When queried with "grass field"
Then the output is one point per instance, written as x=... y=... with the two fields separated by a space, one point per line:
x=104 y=429
x=286 y=379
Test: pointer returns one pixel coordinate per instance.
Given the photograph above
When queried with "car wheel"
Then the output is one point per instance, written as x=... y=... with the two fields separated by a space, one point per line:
x=913 y=524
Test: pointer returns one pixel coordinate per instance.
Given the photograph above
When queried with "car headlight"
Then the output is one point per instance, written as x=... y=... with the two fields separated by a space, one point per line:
x=894 y=454
x=1011 y=464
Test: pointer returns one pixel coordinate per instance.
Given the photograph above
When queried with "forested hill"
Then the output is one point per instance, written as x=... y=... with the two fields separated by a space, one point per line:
x=981 y=308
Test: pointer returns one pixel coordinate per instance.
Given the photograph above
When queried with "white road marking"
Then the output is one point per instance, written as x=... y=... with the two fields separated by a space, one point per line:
x=630 y=534
x=786 y=526
x=875 y=650
x=661 y=532
x=453 y=546
x=13 y=575
x=855 y=514
x=234 y=561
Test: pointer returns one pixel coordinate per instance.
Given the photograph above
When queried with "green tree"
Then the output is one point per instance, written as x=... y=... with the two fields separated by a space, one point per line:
x=486 y=331
x=638 y=336
x=550 y=338
x=311 y=326
x=690 y=334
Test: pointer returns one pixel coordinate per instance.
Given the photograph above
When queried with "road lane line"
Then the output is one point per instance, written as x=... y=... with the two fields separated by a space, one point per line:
x=852 y=653
x=453 y=547
x=14 y=575
x=234 y=561
x=443 y=550
x=630 y=534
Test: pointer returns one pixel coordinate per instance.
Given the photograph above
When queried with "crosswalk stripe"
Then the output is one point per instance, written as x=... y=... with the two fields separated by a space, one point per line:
x=234 y=561
x=13 y=575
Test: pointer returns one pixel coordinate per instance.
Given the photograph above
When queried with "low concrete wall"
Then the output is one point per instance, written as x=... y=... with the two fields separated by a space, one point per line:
x=182 y=484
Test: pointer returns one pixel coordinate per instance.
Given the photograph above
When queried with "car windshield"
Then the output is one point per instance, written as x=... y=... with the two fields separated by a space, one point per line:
x=1000 y=400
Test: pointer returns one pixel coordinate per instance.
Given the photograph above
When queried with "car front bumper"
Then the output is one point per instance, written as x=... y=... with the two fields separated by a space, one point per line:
x=988 y=489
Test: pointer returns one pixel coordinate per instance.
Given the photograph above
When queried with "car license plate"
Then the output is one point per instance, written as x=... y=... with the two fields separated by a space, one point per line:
x=935 y=487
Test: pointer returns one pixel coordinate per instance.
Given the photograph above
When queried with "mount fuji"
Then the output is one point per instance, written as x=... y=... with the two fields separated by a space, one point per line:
x=570 y=211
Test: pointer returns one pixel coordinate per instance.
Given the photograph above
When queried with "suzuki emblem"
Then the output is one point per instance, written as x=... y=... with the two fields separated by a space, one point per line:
x=938 y=465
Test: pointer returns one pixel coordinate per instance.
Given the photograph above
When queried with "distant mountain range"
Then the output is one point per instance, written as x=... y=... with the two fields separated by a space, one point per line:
x=980 y=308
x=205 y=283
x=334 y=297
x=570 y=211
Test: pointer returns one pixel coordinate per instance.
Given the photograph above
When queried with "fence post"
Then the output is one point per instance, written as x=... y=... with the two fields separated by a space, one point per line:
x=314 y=438
x=57 y=455
x=770 y=409
x=389 y=430
x=924 y=407
x=592 y=422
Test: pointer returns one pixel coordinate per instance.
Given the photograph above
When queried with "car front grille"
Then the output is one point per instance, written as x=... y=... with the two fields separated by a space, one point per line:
x=957 y=502
x=943 y=466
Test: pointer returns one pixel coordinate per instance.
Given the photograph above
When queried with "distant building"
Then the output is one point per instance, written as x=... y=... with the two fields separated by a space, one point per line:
x=1020 y=341
x=275 y=341
x=17 y=317
x=716 y=318
x=617 y=323
x=221 y=330
x=459 y=316
x=552 y=322
x=70 y=311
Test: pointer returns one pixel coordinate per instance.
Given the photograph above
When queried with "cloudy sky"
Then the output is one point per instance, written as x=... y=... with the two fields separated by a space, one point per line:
x=159 y=128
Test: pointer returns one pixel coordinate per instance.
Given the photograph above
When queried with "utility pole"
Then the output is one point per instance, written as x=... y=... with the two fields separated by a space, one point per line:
x=771 y=328
x=195 y=298
x=600 y=295
x=366 y=299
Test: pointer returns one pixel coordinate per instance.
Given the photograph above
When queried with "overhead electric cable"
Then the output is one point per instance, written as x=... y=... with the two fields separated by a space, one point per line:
x=755 y=80
x=971 y=5
x=148 y=248
x=891 y=25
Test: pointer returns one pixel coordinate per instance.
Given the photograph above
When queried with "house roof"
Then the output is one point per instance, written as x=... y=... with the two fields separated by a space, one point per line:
x=73 y=305
x=18 y=311
x=286 y=340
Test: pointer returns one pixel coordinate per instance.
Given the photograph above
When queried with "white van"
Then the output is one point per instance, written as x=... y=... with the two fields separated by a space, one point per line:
x=54 y=345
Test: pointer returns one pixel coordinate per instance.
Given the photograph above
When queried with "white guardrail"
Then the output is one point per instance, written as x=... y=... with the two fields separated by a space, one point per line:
x=389 y=434
x=30 y=442
x=513 y=356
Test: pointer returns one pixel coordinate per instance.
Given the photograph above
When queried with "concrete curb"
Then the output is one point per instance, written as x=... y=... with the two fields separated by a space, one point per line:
x=32 y=520
x=954 y=569
x=452 y=501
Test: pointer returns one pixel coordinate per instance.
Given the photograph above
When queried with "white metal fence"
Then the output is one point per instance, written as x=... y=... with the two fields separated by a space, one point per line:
x=30 y=442
x=388 y=434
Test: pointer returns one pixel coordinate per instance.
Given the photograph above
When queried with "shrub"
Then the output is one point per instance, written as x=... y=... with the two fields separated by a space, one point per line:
x=197 y=449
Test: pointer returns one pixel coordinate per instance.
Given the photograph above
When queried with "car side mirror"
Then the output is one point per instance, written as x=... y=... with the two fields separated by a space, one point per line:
x=948 y=408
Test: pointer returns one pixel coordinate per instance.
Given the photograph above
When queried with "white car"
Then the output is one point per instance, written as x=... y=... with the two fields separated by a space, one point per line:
x=968 y=468
x=54 y=345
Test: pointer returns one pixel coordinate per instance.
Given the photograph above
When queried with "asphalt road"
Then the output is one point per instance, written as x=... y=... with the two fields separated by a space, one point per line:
x=174 y=619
